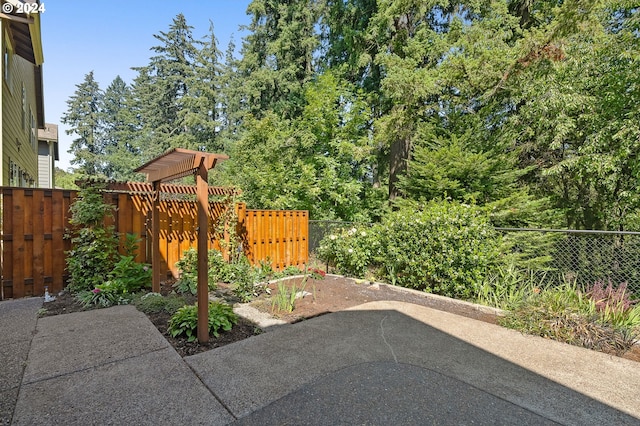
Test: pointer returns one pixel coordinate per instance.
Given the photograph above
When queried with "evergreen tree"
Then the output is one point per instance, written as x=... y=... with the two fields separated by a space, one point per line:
x=577 y=120
x=231 y=98
x=277 y=55
x=201 y=112
x=83 y=119
x=318 y=162
x=118 y=131
x=160 y=90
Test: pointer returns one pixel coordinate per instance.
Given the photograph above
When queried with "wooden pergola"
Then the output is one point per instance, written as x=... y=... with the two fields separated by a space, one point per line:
x=175 y=164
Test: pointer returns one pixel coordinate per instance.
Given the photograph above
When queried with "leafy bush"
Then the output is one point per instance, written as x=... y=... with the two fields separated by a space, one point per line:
x=188 y=267
x=94 y=245
x=243 y=277
x=129 y=275
x=351 y=251
x=185 y=321
x=445 y=248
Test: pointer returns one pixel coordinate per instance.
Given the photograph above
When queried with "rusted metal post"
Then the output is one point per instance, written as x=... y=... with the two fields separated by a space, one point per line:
x=203 y=261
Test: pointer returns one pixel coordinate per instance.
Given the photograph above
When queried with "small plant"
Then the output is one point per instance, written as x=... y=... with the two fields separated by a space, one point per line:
x=614 y=305
x=102 y=296
x=130 y=275
x=185 y=321
x=508 y=287
x=317 y=274
x=243 y=277
x=285 y=299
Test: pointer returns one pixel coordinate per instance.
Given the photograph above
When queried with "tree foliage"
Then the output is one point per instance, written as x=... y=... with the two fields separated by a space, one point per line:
x=527 y=109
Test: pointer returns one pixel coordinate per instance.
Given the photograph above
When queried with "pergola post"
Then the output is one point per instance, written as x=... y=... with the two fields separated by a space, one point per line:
x=155 y=238
x=175 y=164
x=203 y=248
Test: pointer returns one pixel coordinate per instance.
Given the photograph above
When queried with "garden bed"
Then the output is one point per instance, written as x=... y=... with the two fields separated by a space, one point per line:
x=331 y=294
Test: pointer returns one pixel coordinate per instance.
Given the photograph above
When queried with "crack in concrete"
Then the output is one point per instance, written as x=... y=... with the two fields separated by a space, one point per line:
x=395 y=358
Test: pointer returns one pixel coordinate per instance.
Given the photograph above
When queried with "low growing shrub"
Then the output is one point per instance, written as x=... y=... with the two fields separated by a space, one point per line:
x=151 y=303
x=102 y=296
x=507 y=287
x=615 y=305
x=130 y=275
x=569 y=315
x=185 y=321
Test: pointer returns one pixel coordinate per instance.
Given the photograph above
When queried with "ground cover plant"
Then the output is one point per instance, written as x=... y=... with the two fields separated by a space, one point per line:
x=608 y=321
x=185 y=320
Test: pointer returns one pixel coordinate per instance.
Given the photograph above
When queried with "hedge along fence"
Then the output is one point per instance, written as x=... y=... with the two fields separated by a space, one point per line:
x=35 y=221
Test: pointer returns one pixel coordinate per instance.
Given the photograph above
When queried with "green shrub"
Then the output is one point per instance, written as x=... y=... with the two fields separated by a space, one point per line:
x=185 y=321
x=615 y=305
x=243 y=278
x=188 y=267
x=507 y=287
x=130 y=275
x=94 y=245
x=445 y=248
x=350 y=251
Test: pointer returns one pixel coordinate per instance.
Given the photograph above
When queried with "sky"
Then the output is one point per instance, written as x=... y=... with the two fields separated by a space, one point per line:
x=109 y=37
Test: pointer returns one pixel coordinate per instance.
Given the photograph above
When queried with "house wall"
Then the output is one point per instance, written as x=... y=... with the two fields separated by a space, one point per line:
x=45 y=165
x=19 y=149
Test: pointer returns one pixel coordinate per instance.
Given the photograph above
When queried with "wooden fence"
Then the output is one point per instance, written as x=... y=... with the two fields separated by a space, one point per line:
x=35 y=222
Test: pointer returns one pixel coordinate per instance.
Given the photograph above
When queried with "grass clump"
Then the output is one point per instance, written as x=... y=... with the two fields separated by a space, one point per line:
x=285 y=298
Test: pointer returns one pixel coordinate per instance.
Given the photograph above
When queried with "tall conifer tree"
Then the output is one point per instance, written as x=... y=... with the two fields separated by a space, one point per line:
x=83 y=118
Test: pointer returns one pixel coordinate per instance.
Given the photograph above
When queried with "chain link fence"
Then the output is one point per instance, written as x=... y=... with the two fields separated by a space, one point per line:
x=584 y=257
x=553 y=255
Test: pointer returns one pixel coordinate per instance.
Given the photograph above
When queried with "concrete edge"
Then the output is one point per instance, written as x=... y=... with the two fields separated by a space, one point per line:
x=263 y=320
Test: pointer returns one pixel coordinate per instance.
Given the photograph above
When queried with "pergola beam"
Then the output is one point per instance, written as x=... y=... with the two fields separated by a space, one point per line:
x=144 y=188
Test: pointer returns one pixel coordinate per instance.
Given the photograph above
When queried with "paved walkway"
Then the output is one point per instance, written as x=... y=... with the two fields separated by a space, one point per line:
x=379 y=363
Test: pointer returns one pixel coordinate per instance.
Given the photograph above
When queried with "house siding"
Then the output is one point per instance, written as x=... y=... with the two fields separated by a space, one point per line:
x=44 y=171
x=24 y=155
